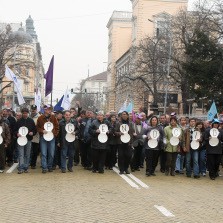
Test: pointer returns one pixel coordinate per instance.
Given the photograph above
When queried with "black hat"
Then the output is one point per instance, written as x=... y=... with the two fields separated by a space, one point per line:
x=33 y=107
x=58 y=112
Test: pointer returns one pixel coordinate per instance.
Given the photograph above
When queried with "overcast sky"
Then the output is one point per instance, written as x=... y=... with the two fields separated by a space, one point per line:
x=72 y=30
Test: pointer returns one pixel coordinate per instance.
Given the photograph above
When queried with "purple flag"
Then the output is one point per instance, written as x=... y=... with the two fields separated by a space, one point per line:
x=49 y=78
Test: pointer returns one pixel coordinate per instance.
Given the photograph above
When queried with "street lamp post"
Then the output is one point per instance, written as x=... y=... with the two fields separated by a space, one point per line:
x=168 y=67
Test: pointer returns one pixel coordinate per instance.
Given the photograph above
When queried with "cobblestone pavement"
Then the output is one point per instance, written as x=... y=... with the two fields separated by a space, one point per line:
x=83 y=196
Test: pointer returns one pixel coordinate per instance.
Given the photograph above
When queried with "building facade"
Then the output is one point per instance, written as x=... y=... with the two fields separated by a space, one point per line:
x=95 y=88
x=25 y=62
x=147 y=17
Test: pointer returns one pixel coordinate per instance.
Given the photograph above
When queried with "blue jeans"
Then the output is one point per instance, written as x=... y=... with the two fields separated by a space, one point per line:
x=180 y=162
x=202 y=160
x=47 y=153
x=67 y=150
x=24 y=156
x=194 y=155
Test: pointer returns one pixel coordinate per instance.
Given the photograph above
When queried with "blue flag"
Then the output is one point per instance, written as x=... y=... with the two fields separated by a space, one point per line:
x=58 y=107
x=129 y=107
x=212 y=112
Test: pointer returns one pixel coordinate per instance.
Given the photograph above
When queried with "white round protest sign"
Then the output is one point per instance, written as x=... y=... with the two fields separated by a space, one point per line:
x=125 y=138
x=70 y=137
x=124 y=128
x=214 y=132
x=69 y=128
x=23 y=131
x=154 y=134
x=174 y=141
x=48 y=136
x=1 y=130
x=48 y=126
x=152 y=143
x=103 y=128
x=102 y=138
x=176 y=132
x=213 y=141
x=194 y=145
x=196 y=135
x=22 y=141
x=1 y=139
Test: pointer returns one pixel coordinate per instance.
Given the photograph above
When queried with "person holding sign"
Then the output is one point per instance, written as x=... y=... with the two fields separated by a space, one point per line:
x=25 y=129
x=138 y=143
x=213 y=138
x=191 y=151
x=153 y=145
x=174 y=138
x=124 y=131
x=5 y=137
x=48 y=129
x=68 y=131
x=98 y=130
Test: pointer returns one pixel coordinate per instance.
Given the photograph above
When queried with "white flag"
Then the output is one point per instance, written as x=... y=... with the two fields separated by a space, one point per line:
x=38 y=99
x=66 y=101
x=11 y=76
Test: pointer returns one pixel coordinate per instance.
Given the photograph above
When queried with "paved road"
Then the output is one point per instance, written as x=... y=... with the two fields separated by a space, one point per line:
x=83 y=196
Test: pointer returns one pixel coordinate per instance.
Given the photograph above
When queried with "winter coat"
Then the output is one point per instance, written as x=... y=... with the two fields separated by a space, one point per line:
x=112 y=138
x=95 y=144
x=213 y=149
x=160 y=138
x=62 y=131
x=43 y=119
x=6 y=135
x=29 y=123
x=138 y=139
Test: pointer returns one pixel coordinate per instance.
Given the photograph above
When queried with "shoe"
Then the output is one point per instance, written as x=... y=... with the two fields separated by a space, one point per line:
x=153 y=174
x=166 y=172
x=70 y=170
x=196 y=177
x=141 y=166
x=89 y=168
x=204 y=174
x=94 y=171
x=188 y=175
x=162 y=171
x=101 y=171
x=1 y=171
x=181 y=172
x=26 y=171
x=50 y=170
x=15 y=161
x=110 y=168
x=10 y=164
x=212 y=178
x=63 y=171
x=44 y=171
x=127 y=172
x=121 y=172
x=54 y=167
x=20 y=172
x=177 y=171
x=148 y=174
x=33 y=167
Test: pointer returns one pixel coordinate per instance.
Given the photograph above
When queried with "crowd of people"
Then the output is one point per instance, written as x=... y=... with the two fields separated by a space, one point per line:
x=96 y=141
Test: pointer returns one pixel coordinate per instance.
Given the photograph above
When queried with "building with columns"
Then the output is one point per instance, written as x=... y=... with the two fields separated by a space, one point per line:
x=25 y=62
x=126 y=29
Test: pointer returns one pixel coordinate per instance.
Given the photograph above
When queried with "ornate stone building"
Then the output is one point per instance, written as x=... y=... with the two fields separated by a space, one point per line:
x=126 y=29
x=25 y=62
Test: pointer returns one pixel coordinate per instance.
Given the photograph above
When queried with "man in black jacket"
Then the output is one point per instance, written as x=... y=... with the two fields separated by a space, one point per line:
x=24 y=151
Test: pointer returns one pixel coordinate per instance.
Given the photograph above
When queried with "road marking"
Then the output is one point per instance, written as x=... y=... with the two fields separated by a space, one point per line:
x=138 y=181
x=164 y=211
x=130 y=182
x=12 y=168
